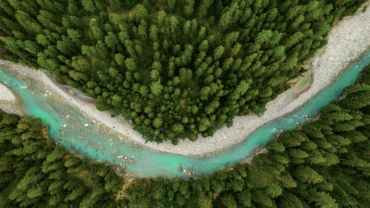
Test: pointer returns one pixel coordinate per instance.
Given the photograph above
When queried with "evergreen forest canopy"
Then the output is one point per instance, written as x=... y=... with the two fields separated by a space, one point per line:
x=175 y=68
x=37 y=173
x=325 y=163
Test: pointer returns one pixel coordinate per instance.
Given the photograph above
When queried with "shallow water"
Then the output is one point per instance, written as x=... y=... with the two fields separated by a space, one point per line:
x=303 y=83
x=86 y=138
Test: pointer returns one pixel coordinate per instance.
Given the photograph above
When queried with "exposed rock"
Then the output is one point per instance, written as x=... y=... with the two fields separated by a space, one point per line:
x=6 y=94
x=70 y=91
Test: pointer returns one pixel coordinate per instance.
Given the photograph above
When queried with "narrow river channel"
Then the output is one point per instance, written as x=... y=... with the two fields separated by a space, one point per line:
x=85 y=137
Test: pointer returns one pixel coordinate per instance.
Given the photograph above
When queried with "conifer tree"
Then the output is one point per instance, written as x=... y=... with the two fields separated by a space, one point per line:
x=307 y=175
x=140 y=13
x=88 y=5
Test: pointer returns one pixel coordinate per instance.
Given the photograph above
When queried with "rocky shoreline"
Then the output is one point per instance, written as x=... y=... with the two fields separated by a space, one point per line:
x=6 y=94
x=8 y=101
x=346 y=42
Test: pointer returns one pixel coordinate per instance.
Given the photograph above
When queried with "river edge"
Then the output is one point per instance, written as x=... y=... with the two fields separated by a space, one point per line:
x=10 y=102
x=260 y=149
x=226 y=138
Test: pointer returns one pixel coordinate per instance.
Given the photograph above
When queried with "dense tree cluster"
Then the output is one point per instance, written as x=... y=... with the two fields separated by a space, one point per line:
x=175 y=68
x=326 y=163
x=38 y=173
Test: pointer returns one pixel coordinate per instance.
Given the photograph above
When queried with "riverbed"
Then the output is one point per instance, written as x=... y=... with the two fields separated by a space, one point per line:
x=77 y=125
x=69 y=128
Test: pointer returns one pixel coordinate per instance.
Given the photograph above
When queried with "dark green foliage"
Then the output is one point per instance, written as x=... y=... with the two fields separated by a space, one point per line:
x=206 y=61
x=34 y=172
x=319 y=165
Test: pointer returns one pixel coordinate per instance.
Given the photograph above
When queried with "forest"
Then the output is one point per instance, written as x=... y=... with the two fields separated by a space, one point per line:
x=35 y=172
x=324 y=163
x=176 y=69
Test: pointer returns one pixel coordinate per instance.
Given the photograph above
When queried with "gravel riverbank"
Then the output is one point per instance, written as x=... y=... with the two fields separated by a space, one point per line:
x=8 y=102
x=346 y=42
x=6 y=95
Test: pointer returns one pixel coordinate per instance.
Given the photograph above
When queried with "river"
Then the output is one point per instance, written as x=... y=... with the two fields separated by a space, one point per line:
x=87 y=138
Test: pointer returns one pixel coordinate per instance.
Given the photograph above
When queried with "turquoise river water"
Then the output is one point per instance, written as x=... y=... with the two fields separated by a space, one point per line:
x=77 y=133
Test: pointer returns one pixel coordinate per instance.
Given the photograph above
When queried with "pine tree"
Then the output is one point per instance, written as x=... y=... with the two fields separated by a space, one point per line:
x=316 y=157
x=243 y=87
x=56 y=199
x=174 y=22
x=140 y=13
x=297 y=153
x=116 y=5
x=156 y=87
x=307 y=175
x=291 y=63
x=218 y=52
x=153 y=32
x=194 y=26
x=203 y=8
x=74 y=35
x=130 y=64
x=189 y=7
x=204 y=201
x=356 y=100
x=280 y=158
x=111 y=40
x=81 y=63
x=229 y=201
x=56 y=154
x=290 y=200
x=75 y=193
x=323 y=199
x=203 y=46
x=119 y=58
x=295 y=38
x=34 y=192
x=11 y=43
x=178 y=128
x=300 y=19
x=142 y=30
x=88 y=5
x=171 y=5
x=261 y=198
x=264 y=37
x=42 y=40
x=279 y=51
x=187 y=27
x=274 y=190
